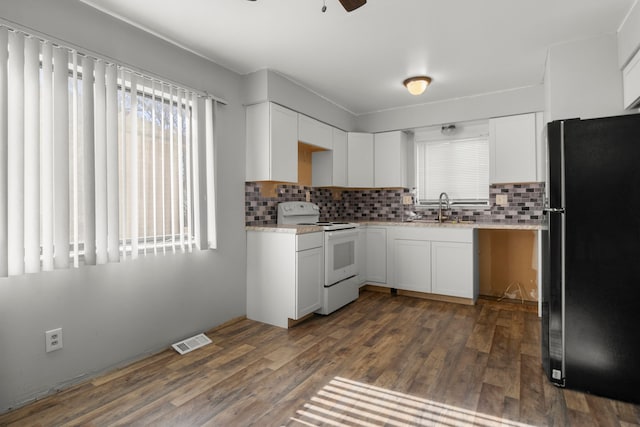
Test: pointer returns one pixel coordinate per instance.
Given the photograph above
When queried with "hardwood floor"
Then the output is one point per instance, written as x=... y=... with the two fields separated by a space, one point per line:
x=382 y=360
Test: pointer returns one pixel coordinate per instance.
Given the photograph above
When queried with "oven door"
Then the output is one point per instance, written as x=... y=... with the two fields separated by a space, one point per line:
x=340 y=255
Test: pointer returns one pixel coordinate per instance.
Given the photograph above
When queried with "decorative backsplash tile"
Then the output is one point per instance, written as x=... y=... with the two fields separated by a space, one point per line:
x=525 y=204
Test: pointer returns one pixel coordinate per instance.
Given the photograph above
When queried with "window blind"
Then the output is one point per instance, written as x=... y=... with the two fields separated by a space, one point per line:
x=458 y=167
x=97 y=163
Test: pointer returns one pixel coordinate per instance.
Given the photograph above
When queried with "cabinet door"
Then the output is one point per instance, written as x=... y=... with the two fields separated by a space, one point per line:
x=339 y=158
x=376 y=255
x=452 y=269
x=411 y=264
x=311 y=131
x=330 y=167
x=390 y=159
x=310 y=279
x=361 y=255
x=360 y=160
x=631 y=82
x=512 y=145
x=284 y=144
x=258 y=150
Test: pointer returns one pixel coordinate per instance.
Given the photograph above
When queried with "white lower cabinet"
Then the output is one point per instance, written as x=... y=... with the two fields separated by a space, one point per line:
x=411 y=264
x=376 y=255
x=361 y=256
x=310 y=269
x=452 y=271
x=433 y=260
x=285 y=276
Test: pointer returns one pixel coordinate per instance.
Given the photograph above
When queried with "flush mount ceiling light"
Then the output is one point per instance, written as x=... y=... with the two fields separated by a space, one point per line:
x=417 y=85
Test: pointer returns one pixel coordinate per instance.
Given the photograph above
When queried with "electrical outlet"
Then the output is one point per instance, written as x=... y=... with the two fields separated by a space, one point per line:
x=53 y=340
x=502 y=200
x=307 y=196
x=407 y=200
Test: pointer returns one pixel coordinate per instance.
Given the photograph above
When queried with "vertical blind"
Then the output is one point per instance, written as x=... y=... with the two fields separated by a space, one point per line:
x=458 y=167
x=97 y=163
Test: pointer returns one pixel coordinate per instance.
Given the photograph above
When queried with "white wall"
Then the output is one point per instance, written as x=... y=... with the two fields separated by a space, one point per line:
x=268 y=85
x=629 y=36
x=516 y=101
x=583 y=79
x=115 y=313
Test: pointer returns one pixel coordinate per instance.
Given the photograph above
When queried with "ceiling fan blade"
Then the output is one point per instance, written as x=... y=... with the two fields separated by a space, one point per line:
x=350 y=5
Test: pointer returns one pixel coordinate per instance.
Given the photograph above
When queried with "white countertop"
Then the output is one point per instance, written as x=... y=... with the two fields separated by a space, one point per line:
x=303 y=229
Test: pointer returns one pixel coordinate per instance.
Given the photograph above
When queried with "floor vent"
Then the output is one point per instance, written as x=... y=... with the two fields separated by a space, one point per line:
x=191 y=344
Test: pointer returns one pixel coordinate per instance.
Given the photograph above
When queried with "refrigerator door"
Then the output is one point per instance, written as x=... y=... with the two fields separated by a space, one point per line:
x=552 y=260
x=602 y=256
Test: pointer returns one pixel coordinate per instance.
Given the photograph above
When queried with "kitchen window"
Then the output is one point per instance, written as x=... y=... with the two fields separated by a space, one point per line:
x=459 y=167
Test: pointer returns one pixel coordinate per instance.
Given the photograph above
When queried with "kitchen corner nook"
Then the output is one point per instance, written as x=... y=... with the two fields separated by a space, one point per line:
x=402 y=244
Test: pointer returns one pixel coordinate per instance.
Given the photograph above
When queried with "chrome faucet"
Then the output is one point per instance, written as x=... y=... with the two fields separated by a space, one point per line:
x=446 y=198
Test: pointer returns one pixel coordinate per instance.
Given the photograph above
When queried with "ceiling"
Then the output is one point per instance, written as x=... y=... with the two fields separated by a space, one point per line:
x=358 y=60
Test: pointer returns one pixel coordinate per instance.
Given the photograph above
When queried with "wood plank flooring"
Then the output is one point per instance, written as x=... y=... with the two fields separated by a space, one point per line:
x=383 y=360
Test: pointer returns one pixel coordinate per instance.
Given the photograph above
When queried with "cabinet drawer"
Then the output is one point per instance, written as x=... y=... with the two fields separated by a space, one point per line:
x=309 y=241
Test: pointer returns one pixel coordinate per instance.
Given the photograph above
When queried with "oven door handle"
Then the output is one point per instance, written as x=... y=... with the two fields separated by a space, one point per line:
x=342 y=234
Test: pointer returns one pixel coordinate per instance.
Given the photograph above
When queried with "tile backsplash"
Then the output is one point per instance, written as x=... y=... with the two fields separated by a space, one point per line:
x=525 y=204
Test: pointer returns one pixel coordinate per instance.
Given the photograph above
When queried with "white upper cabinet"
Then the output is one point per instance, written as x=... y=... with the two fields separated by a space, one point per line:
x=272 y=143
x=339 y=158
x=513 y=148
x=359 y=160
x=330 y=167
x=631 y=82
x=311 y=131
x=390 y=159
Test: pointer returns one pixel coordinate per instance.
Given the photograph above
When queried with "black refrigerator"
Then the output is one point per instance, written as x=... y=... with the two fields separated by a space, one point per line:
x=591 y=257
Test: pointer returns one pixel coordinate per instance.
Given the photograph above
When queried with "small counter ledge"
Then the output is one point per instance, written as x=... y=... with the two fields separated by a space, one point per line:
x=292 y=229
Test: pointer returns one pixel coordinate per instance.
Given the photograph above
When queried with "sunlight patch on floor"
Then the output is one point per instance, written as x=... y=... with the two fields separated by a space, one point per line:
x=344 y=402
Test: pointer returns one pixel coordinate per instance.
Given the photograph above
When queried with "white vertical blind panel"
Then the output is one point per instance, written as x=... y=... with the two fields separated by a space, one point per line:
x=100 y=166
x=172 y=170
x=4 y=56
x=144 y=168
x=15 y=167
x=180 y=171
x=187 y=176
x=210 y=111
x=133 y=177
x=32 y=156
x=163 y=169
x=153 y=167
x=195 y=169
x=122 y=180
x=75 y=121
x=61 y=156
x=112 y=171
x=89 y=180
x=46 y=158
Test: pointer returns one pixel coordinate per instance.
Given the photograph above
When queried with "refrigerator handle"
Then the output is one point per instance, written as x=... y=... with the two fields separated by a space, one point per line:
x=554 y=210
